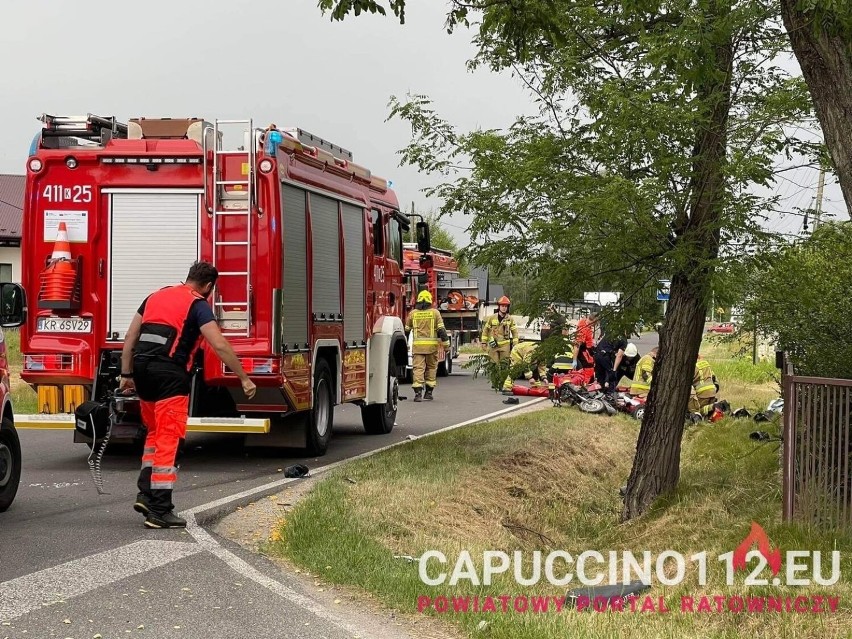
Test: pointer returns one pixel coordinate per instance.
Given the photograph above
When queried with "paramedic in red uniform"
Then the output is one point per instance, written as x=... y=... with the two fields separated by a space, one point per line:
x=161 y=343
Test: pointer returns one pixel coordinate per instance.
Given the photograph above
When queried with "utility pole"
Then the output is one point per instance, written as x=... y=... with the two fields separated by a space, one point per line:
x=820 y=187
x=754 y=359
x=411 y=229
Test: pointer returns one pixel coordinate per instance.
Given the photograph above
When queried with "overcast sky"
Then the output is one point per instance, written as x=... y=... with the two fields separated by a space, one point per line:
x=272 y=60
x=275 y=61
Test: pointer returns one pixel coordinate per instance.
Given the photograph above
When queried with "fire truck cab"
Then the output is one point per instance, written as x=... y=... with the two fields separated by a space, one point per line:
x=308 y=245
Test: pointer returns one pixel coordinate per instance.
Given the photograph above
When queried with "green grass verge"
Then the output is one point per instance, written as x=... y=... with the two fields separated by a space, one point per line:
x=470 y=349
x=24 y=398
x=732 y=361
x=549 y=480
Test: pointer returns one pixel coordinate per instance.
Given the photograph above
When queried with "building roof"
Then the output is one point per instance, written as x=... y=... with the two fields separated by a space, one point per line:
x=11 y=206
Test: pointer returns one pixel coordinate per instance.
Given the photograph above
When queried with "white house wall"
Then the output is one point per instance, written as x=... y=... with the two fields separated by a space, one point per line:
x=12 y=255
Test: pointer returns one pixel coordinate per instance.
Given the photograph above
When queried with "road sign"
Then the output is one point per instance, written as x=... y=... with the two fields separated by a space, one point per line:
x=663 y=290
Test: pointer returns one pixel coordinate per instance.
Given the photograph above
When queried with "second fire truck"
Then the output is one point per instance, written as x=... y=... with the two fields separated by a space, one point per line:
x=457 y=298
x=309 y=247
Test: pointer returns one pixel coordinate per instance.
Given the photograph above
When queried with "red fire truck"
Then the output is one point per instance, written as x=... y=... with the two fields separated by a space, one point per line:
x=308 y=245
x=437 y=271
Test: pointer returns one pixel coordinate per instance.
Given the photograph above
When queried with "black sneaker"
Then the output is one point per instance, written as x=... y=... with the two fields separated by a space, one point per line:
x=169 y=520
x=141 y=505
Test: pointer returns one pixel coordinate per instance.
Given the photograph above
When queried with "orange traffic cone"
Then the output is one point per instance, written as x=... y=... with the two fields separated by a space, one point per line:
x=60 y=276
x=62 y=247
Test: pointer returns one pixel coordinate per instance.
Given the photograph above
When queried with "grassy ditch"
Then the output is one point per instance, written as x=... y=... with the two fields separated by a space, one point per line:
x=549 y=481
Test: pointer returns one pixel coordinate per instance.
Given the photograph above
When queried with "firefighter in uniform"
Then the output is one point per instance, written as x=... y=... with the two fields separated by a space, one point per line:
x=535 y=372
x=641 y=385
x=703 y=396
x=500 y=332
x=156 y=360
x=429 y=332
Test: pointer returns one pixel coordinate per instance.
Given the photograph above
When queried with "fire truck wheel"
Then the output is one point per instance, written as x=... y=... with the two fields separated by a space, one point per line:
x=445 y=368
x=10 y=463
x=379 y=419
x=318 y=420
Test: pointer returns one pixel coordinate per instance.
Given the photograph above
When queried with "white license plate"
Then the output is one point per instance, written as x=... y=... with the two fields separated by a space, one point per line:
x=64 y=325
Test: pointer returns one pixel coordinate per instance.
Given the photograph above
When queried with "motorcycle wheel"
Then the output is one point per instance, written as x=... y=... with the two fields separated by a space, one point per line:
x=592 y=406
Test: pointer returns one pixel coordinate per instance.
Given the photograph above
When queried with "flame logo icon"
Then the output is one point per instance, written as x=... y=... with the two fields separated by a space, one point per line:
x=757 y=535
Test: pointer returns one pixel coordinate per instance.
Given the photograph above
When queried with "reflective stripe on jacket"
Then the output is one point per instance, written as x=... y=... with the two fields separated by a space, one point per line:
x=702 y=382
x=564 y=361
x=644 y=372
x=523 y=352
x=501 y=330
x=428 y=327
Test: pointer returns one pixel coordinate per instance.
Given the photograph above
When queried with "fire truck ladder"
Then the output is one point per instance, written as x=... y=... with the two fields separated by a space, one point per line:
x=68 y=130
x=234 y=314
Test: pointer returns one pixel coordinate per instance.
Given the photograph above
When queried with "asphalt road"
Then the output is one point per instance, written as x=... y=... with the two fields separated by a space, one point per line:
x=77 y=564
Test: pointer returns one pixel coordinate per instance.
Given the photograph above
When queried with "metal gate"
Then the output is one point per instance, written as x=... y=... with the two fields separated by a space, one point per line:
x=817 y=484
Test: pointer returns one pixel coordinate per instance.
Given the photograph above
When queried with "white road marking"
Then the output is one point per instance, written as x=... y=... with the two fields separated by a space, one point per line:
x=250 y=572
x=22 y=595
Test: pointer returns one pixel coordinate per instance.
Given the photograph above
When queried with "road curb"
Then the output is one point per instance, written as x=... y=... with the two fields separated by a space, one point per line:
x=211 y=512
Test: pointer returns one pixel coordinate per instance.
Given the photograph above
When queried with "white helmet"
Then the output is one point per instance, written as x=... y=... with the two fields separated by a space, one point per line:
x=631 y=350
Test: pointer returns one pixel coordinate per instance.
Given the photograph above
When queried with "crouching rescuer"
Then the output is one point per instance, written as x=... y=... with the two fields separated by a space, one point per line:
x=429 y=333
x=161 y=343
x=523 y=357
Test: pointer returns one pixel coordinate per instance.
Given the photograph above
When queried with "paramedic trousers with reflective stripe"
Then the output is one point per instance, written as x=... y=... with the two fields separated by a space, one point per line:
x=425 y=365
x=166 y=423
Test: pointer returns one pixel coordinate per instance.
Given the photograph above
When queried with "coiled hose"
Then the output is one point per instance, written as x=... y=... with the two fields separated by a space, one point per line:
x=95 y=464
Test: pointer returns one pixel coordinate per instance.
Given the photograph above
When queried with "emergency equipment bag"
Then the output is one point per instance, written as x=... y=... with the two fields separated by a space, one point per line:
x=92 y=420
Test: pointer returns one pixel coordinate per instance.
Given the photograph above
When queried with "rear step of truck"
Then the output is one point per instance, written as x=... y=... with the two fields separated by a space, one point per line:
x=66 y=421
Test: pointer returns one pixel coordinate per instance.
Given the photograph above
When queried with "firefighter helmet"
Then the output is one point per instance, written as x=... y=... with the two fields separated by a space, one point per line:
x=424 y=296
x=504 y=300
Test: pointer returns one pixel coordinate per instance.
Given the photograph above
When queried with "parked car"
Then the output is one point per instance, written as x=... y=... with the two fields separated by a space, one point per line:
x=725 y=327
x=11 y=314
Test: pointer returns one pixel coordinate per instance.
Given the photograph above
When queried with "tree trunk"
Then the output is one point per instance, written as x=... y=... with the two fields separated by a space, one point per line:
x=656 y=466
x=826 y=61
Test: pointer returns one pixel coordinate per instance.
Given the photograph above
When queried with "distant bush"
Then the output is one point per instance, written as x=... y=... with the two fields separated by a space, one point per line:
x=800 y=296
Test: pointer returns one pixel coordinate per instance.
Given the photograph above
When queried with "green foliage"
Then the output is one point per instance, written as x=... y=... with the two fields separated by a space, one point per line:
x=833 y=17
x=441 y=238
x=495 y=372
x=801 y=299
x=341 y=8
x=597 y=191
x=656 y=122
